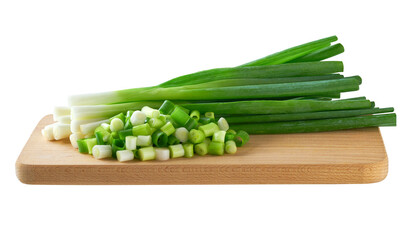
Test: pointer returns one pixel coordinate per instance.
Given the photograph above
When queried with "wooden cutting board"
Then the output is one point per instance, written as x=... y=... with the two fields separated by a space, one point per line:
x=351 y=156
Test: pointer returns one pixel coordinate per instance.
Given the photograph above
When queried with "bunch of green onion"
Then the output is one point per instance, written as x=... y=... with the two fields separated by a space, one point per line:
x=291 y=91
x=170 y=132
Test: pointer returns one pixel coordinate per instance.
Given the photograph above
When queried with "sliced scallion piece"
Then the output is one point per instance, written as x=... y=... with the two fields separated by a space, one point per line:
x=162 y=154
x=182 y=134
x=124 y=155
x=195 y=114
x=102 y=151
x=196 y=136
x=160 y=139
x=176 y=151
x=201 y=148
x=131 y=142
x=168 y=128
x=189 y=151
x=150 y=112
x=230 y=147
x=144 y=141
x=241 y=138
x=216 y=148
x=146 y=153
x=219 y=136
x=209 y=129
x=138 y=118
x=223 y=124
x=167 y=107
x=143 y=129
x=180 y=116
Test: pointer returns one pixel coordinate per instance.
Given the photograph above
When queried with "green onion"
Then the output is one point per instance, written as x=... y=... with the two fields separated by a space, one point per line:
x=131 y=142
x=117 y=145
x=189 y=152
x=176 y=151
x=124 y=133
x=102 y=151
x=196 y=136
x=205 y=120
x=162 y=154
x=168 y=128
x=216 y=148
x=305 y=115
x=150 y=112
x=223 y=124
x=195 y=114
x=160 y=139
x=172 y=140
x=191 y=124
x=230 y=147
x=258 y=81
x=167 y=107
x=143 y=129
x=321 y=54
x=210 y=115
x=146 y=153
x=236 y=92
x=82 y=146
x=318 y=125
x=229 y=136
x=180 y=116
x=138 y=118
x=219 y=136
x=156 y=123
x=144 y=141
x=209 y=129
x=124 y=155
x=231 y=131
x=280 y=106
x=241 y=138
x=182 y=134
x=201 y=149
x=292 y=53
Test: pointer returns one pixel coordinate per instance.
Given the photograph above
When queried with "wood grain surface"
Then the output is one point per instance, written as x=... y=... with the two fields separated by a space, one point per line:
x=351 y=156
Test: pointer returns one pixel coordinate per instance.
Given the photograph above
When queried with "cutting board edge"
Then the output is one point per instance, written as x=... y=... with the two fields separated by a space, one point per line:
x=240 y=174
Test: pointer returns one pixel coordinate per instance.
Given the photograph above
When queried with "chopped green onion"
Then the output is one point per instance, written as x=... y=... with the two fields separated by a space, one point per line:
x=216 y=148
x=120 y=116
x=210 y=115
x=160 y=139
x=182 y=134
x=146 y=153
x=61 y=131
x=82 y=146
x=231 y=131
x=102 y=151
x=74 y=137
x=229 y=136
x=223 y=124
x=189 y=152
x=180 y=116
x=168 y=128
x=162 y=154
x=209 y=129
x=144 y=141
x=131 y=142
x=116 y=125
x=176 y=151
x=205 y=120
x=91 y=142
x=138 y=118
x=201 y=149
x=230 y=147
x=150 y=112
x=196 y=136
x=124 y=133
x=219 y=136
x=191 y=124
x=143 y=129
x=125 y=155
x=241 y=138
x=163 y=118
x=169 y=119
x=207 y=141
x=156 y=123
x=167 y=107
x=195 y=114
x=117 y=145
x=106 y=126
x=172 y=140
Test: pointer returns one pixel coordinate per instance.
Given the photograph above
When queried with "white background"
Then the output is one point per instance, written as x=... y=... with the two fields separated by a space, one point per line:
x=51 y=49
